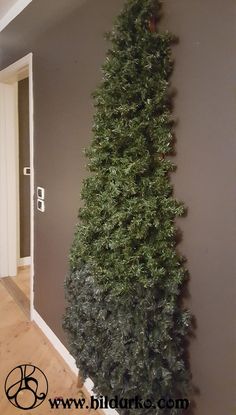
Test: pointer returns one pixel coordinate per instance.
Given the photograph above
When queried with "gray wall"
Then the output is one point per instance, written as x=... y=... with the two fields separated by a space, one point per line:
x=24 y=161
x=68 y=51
x=205 y=79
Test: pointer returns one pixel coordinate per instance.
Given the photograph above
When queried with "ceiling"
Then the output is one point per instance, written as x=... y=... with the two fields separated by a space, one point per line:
x=5 y=5
x=9 y=9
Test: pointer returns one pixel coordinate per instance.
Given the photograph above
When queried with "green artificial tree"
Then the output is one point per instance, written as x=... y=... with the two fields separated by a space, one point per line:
x=125 y=324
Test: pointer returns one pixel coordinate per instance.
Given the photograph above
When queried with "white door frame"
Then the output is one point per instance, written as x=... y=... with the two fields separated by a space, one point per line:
x=11 y=75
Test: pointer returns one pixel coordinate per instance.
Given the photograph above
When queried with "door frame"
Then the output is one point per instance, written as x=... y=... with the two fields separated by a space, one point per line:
x=14 y=73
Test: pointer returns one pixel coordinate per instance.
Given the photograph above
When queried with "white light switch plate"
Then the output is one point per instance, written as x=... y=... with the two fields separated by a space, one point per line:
x=41 y=205
x=40 y=193
x=26 y=171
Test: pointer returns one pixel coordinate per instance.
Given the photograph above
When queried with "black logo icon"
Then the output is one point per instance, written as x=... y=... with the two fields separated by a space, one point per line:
x=26 y=387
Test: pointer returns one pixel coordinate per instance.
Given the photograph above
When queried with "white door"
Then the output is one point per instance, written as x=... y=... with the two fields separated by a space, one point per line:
x=8 y=180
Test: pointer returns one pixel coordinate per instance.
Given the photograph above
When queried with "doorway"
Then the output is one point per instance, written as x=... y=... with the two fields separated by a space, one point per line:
x=17 y=182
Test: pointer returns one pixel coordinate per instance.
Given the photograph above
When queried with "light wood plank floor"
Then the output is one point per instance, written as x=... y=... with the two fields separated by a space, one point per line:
x=19 y=288
x=22 y=342
x=22 y=280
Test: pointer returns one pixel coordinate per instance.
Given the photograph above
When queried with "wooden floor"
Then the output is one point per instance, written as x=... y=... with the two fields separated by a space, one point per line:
x=19 y=288
x=22 y=280
x=22 y=342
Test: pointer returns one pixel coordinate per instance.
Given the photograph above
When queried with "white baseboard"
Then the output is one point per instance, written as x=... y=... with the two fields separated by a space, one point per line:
x=24 y=262
x=57 y=344
x=64 y=353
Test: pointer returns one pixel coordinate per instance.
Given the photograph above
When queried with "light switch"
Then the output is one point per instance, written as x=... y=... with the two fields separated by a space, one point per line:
x=26 y=171
x=41 y=205
x=40 y=193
